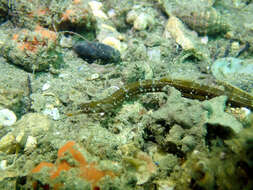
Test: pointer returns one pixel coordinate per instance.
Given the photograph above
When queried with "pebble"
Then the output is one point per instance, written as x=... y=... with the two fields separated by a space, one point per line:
x=7 y=117
x=31 y=144
x=8 y=143
x=140 y=20
x=46 y=86
x=53 y=112
x=3 y=164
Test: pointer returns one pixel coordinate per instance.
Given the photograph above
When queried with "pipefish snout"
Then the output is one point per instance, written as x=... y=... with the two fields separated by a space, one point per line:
x=189 y=89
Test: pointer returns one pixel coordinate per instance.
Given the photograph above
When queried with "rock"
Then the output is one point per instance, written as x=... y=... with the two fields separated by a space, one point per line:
x=24 y=49
x=3 y=164
x=218 y=119
x=25 y=132
x=31 y=144
x=97 y=11
x=33 y=124
x=8 y=144
x=10 y=98
x=143 y=166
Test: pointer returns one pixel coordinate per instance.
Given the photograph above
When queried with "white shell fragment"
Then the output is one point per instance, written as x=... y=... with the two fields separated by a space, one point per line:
x=7 y=117
x=46 y=86
x=31 y=144
x=140 y=20
x=3 y=164
x=53 y=112
x=96 y=8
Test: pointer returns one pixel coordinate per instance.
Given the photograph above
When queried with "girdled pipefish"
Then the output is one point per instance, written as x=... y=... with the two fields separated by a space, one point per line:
x=188 y=89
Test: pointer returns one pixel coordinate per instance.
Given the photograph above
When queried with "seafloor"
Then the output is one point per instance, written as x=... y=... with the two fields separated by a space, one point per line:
x=165 y=104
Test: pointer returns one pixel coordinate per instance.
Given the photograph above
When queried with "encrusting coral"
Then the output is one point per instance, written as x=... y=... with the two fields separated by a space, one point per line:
x=70 y=158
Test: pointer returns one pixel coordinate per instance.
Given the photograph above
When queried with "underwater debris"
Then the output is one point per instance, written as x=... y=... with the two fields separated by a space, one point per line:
x=69 y=157
x=189 y=89
x=91 y=51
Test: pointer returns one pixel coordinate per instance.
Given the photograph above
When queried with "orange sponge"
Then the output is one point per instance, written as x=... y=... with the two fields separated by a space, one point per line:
x=87 y=171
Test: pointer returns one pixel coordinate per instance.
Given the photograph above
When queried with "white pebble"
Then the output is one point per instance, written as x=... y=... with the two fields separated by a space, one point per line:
x=246 y=111
x=31 y=144
x=7 y=117
x=3 y=164
x=204 y=40
x=111 y=13
x=53 y=112
x=46 y=86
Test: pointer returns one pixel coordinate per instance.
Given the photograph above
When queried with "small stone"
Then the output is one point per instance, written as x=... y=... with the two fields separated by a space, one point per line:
x=235 y=46
x=113 y=42
x=8 y=143
x=94 y=76
x=46 y=86
x=97 y=11
x=7 y=117
x=140 y=20
x=3 y=165
x=53 y=112
x=31 y=144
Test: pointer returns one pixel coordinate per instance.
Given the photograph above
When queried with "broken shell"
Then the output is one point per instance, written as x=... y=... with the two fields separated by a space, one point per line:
x=31 y=144
x=186 y=38
x=7 y=117
x=96 y=9
x=52 y=112
x=140 y=20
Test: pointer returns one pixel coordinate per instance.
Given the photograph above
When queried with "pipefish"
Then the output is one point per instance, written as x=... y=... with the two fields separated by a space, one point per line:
x=188 y=88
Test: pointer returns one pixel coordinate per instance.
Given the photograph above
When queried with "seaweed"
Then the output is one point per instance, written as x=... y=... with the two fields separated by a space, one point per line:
x=189 y=89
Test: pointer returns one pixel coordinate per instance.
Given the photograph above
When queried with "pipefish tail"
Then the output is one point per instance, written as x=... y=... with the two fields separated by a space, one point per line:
x=189 y=89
